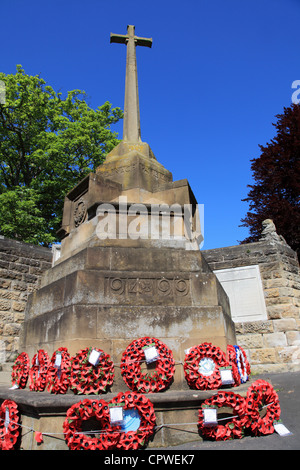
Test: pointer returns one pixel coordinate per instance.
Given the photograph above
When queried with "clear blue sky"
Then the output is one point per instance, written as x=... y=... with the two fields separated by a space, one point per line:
x=210 y=87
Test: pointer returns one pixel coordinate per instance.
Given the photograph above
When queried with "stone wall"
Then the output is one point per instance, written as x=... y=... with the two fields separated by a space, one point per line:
x=21 y=266
x=272 y=345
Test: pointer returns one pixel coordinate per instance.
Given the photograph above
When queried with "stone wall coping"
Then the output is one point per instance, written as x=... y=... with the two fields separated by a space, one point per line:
x=19 y=246
x=253 y=249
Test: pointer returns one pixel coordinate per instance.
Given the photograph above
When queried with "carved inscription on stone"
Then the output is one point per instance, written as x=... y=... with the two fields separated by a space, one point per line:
x=154 y=173
x=123 y=170
x=149 y=287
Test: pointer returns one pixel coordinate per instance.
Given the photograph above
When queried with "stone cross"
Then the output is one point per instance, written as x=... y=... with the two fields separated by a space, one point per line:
x=131 y=124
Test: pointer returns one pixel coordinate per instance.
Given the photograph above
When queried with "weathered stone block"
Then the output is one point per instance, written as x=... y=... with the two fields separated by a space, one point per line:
x=21 y=268
x=262 y=356
x=269 y=368
x=284 y=324
x=250 y=341
x=269 y=293
x=11 y=329
x=288 y=354
x=293 y=338
x=274 y=339
x=7 y=294
x=4 y=304
x=4 y=283
x=18 y=306
x=258 y=327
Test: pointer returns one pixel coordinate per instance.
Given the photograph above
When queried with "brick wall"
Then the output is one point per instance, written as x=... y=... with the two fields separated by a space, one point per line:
x=272 y=345
x=21 y=266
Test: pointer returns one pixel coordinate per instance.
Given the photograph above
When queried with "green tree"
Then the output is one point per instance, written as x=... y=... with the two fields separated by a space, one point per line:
x=47 y=145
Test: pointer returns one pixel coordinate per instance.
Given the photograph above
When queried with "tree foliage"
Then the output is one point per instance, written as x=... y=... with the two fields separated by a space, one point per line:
x=47 y=145
x=276 y=172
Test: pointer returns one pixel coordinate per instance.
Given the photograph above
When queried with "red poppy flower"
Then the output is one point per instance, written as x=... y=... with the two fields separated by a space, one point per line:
x=153 y=379
x=20 y=370
x=38 y=437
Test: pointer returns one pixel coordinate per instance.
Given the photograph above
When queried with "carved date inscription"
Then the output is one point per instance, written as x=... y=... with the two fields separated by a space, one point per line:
x=164 y=287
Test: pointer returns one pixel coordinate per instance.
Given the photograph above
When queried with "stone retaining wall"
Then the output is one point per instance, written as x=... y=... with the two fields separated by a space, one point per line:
x=21 y=266
x=272 y=345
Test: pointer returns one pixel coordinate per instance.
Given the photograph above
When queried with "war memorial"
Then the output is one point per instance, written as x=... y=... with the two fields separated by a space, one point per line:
x=133 y=298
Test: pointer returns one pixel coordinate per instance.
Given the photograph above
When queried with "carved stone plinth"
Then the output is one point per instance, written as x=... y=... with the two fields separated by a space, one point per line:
x=108 y=296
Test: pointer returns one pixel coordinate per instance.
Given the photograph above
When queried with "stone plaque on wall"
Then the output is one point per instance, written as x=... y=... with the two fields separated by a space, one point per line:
x=244 y=288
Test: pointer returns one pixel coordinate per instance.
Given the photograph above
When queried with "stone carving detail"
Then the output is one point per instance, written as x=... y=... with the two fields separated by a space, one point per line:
x=269 y=233
x=80 y=212
x=163 y=287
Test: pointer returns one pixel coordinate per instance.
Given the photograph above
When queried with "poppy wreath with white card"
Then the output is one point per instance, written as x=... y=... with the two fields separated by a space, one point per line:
x=38 y=371
x=20 y=371
x=78 y=415
x=158 y=376
x=141 y=420
x=92 y=371
x=58 y=375
x=262 y=408
x=229 y=428
x=9 y=425
x=202 y=366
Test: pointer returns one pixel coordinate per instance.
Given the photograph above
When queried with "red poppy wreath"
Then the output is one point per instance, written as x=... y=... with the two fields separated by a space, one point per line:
x=9 y=427
x=242 y=364
x=224 y=428
x=92 y=371
x=160 y=365
x=38 y=371
x=78 y=416
x=262 y=408
x=20 y=371
x=58 y=375
x=139 y=414
x=231 y=354
x=202 y=366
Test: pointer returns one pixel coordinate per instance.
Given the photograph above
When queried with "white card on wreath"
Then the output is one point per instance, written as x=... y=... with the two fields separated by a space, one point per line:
x=7 y=419
x=57 y=360
x=210 y=417
x=151 y=354
x=94 y=357
x=116 y=415
x=226 y=376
